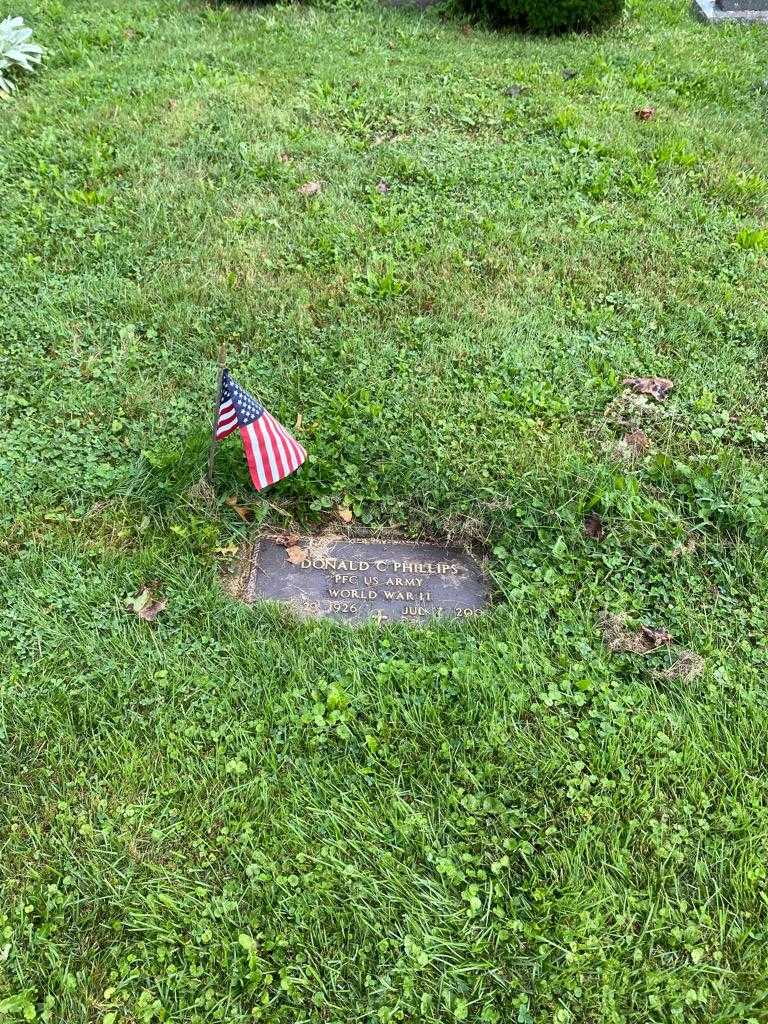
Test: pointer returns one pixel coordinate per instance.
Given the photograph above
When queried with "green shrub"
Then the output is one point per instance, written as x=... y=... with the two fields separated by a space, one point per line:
x=551 y=15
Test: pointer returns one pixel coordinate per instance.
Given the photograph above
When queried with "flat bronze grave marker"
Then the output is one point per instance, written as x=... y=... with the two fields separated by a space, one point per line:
x=352 y=580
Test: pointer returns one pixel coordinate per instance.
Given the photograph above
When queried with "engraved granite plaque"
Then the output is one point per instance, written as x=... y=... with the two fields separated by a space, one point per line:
x=722 y=11
x=742 y=5
x=352 y=579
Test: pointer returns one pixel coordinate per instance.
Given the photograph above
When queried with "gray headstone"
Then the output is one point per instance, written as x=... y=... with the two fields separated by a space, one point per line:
x=724 y=11
x=742 y=5
x=353 y=580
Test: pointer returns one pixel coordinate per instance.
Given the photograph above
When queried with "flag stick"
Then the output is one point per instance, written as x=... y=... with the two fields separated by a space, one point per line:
x=216 y=404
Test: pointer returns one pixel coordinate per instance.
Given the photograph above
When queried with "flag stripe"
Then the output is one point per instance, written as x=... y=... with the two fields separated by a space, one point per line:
x=277 y=445
x=268 y=447
x=253 y=456
x=296 y=453
x=284 y=440
x=225 y=432
x=227 y=419
x=226 y=427
x=301 y=452
x=260 y=455
x=258 y=429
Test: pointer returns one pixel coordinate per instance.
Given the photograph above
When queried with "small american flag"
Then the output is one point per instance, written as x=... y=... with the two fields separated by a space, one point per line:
x=272 y=453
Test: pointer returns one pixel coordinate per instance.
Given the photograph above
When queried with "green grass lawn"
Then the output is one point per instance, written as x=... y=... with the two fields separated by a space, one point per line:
x=231 y=816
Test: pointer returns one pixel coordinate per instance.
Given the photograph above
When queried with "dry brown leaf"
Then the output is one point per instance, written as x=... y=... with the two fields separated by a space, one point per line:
x=645 y=113
x=246 y=514
x=287 y=540
x=593 y=526
x=297 y=424
x=637 y=441
x=310 y=188
x=344 y=514
x=296 y=555
x=656 y=387
x=633 y=445
x=654 y=637
x=146 y=606
x=620 y=639
x=687 y=667
x=284 y=158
